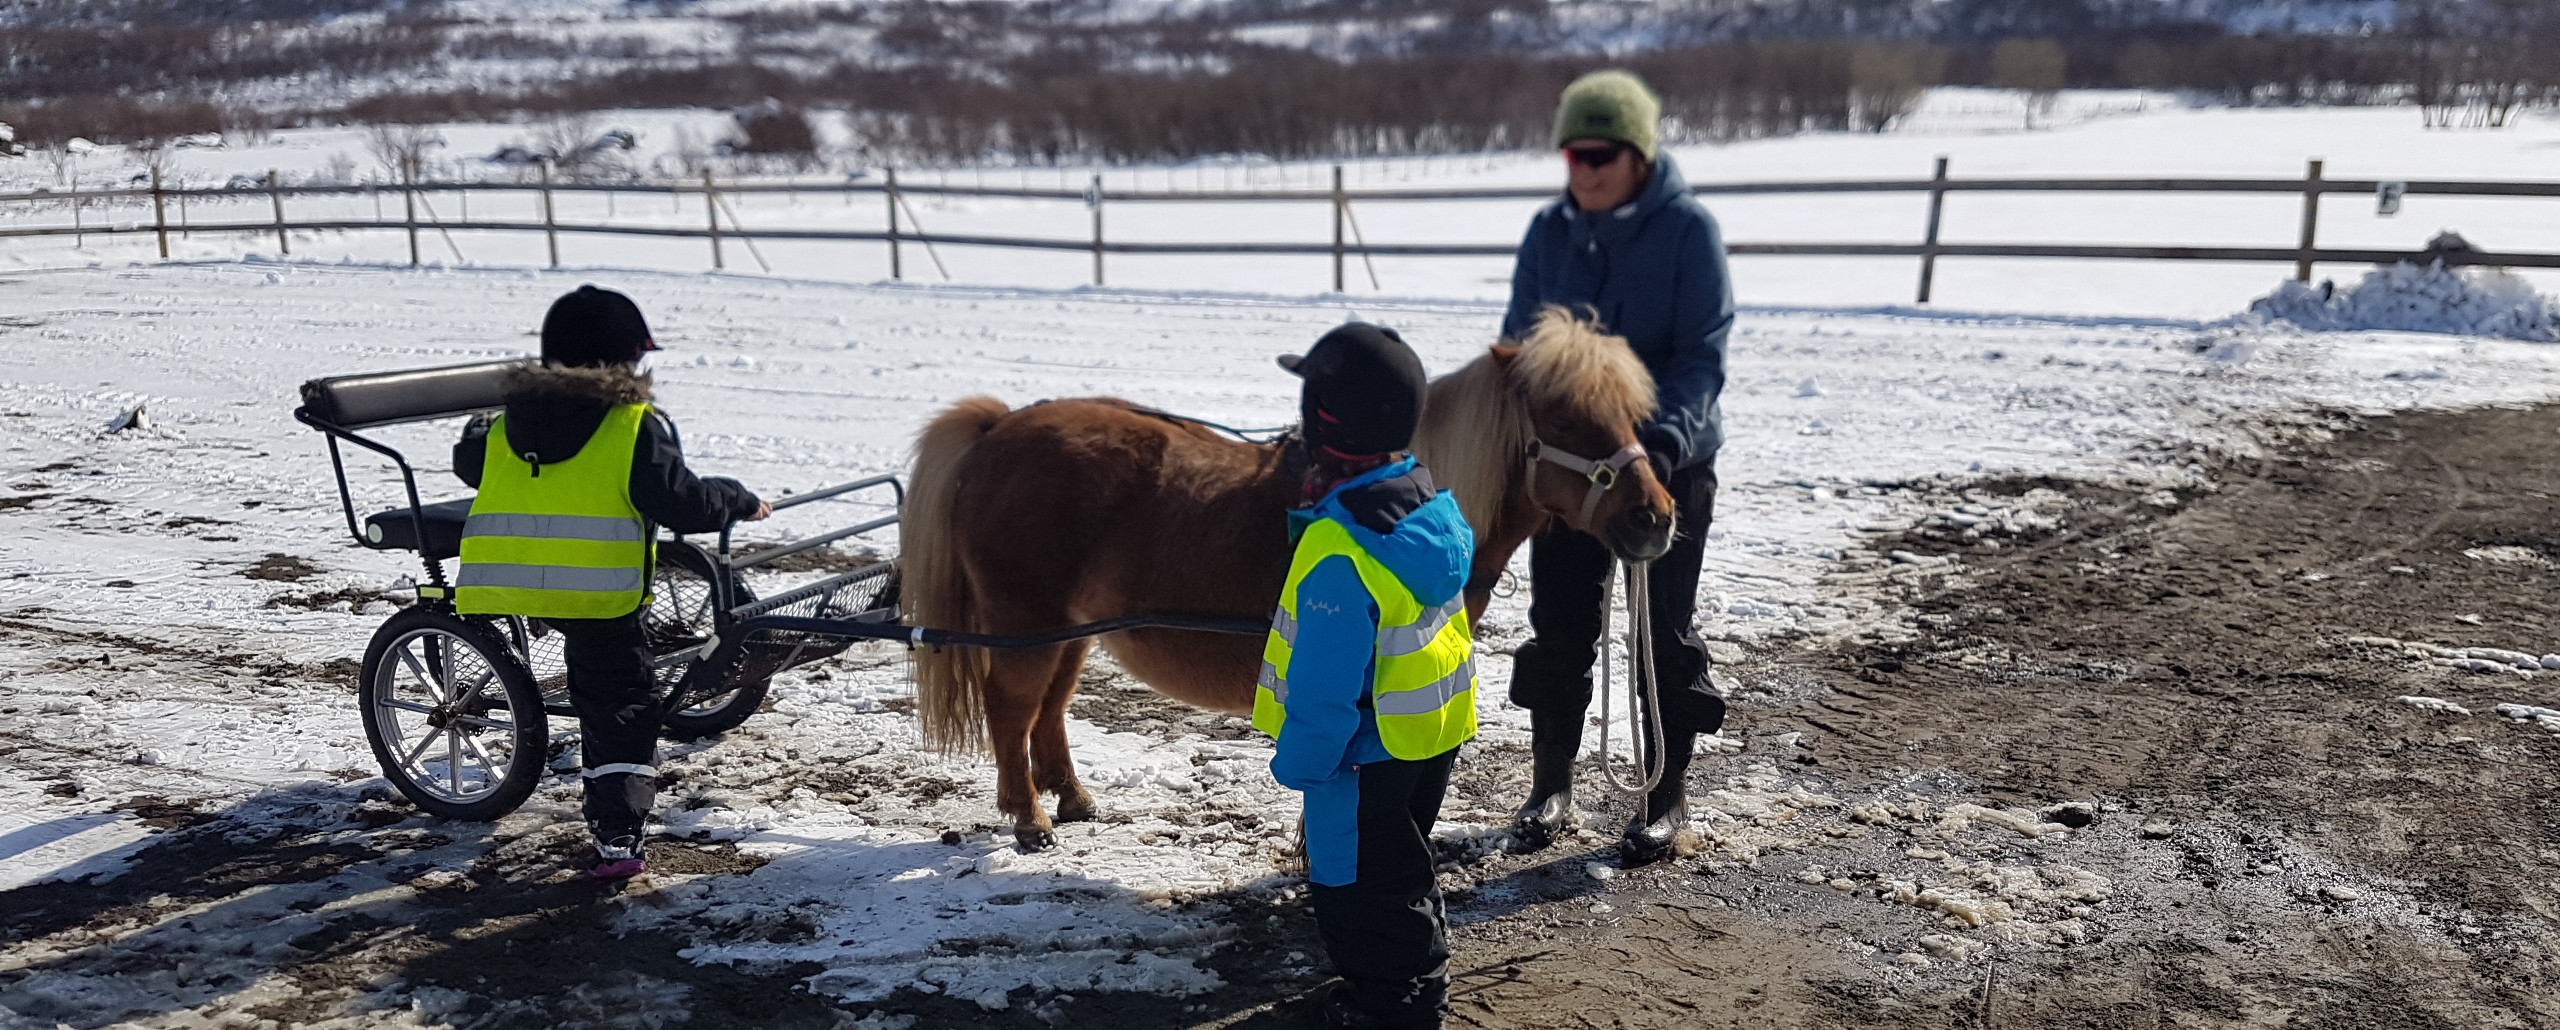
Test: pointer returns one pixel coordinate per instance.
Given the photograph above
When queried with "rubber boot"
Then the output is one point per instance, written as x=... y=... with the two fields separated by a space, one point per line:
x=1654 y=833
x=1555 y=738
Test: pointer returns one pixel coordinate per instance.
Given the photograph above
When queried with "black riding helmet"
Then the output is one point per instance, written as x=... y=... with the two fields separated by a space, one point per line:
x=1363 y=391
x=590 y=327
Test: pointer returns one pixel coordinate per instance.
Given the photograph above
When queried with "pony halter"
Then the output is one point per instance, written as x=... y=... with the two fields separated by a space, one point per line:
x=1603 y=474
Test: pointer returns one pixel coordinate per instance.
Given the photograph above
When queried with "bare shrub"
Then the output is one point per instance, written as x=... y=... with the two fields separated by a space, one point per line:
x=2036 y=68
x=339 y=170
x=775 y=129
x=402 y=149
x=1888 y=79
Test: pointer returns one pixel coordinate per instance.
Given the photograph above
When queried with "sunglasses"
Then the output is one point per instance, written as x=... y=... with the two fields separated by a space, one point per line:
x=1601 y=156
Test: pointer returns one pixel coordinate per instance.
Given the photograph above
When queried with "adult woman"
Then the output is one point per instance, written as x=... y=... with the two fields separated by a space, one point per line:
x=1629 y=243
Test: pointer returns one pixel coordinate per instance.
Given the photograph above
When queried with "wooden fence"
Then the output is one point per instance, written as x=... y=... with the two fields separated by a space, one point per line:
x=720 y=223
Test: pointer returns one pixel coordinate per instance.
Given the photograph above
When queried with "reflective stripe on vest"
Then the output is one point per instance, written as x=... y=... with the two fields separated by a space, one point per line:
x=559 y=540
x=1422 y=665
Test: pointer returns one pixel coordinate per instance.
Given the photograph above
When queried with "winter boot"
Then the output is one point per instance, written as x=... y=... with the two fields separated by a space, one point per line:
x=619 y=859
x=1555 y=738
x=1342 y=1011
x=1656 y=831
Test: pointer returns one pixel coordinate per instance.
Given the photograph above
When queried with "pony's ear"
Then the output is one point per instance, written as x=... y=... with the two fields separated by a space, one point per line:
x=1504 y=354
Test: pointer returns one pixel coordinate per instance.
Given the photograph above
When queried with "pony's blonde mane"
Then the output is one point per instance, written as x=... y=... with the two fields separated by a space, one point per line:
x=1476 y=420
x=1474 y=430
x=1567 y=362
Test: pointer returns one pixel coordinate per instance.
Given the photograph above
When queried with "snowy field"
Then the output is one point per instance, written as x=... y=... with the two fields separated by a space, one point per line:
x=153 y=648
x=179 y=606
x=1982 y=132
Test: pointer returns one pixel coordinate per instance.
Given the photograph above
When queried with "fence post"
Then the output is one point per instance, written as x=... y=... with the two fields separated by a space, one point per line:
x=1929 y=242
x=1339 y=203
x=409 y=207
x=550 y=223
x=1093 y=199
x=2310 y=220
x=283 y=245
x=159 y=215
x=897 y=265
x=711 y=204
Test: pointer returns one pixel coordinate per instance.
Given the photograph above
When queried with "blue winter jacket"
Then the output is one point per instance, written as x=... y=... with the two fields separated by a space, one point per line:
x=1654 y=271
x=1331 y=730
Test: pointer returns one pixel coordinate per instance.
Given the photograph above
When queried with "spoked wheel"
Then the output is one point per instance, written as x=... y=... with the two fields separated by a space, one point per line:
x=684 y=614
x=455 y=720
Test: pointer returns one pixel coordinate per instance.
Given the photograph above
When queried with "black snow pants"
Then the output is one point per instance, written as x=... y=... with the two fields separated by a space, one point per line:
x=1552 y=672
x=1386 y=931
x=611 y=686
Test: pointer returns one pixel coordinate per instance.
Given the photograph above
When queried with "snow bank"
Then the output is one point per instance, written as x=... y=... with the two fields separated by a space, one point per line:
x=2429 y=299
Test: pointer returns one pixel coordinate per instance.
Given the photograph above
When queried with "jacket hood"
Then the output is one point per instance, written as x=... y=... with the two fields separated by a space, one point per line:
x=1666 y=186
x=1430 y=548
x=553 y=410
x=606 y=386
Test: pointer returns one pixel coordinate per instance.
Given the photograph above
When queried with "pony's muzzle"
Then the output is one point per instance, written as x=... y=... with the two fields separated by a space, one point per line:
x=1640 y=534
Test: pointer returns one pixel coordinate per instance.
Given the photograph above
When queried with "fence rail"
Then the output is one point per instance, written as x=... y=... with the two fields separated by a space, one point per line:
x=1928 y=249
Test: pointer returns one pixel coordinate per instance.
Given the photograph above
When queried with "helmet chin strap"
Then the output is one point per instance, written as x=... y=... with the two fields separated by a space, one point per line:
x=1603 y=474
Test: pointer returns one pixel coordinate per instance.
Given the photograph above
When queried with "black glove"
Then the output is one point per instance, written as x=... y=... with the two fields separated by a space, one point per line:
x=1661 y=450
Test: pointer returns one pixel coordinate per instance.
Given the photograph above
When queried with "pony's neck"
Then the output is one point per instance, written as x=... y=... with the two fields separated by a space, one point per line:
x=1475 y=430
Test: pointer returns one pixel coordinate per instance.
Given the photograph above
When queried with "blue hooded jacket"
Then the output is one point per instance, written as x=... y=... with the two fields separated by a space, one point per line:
x=1331 y=730
x=1654 y=271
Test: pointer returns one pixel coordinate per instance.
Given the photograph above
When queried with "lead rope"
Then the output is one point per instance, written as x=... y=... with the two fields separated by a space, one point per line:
x=1643 y=694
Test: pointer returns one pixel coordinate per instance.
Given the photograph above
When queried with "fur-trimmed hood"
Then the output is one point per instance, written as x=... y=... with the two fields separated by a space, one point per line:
x=536 y=384
x=553 y=413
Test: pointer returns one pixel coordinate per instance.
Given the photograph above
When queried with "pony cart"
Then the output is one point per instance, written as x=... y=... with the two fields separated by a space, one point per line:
x=458 y=707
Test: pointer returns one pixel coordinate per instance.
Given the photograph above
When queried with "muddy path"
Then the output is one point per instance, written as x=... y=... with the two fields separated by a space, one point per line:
x=2144 y=763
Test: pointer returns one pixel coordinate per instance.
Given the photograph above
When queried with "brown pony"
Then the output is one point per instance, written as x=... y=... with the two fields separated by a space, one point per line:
x=1021 y=522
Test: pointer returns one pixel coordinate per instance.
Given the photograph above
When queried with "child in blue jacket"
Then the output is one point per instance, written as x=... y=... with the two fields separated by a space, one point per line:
x=1369 y=676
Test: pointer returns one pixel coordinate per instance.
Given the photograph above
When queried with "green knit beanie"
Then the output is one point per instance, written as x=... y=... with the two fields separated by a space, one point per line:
x=1610 y=104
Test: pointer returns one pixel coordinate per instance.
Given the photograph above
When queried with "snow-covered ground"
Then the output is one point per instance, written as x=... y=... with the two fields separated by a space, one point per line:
x=152 y=644
x=1982 y=132
x=160 y=633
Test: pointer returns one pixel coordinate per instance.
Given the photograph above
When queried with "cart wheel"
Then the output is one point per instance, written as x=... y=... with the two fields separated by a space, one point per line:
x=682 y=615
x=455 y=720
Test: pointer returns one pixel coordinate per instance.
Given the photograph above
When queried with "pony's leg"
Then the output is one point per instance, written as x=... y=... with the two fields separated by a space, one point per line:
x=1053 y=767
x=1017 y=685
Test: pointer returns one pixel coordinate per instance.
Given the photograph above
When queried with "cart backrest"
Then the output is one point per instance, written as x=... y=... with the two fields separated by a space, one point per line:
x=413 y=395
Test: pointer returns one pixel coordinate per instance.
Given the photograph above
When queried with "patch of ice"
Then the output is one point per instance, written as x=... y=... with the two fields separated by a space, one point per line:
x=1961 y=816
x=2546 y=718
x=2432 y=704
x=2507 y=555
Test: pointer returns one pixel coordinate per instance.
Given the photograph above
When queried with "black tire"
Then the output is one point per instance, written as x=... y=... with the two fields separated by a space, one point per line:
x=682 y=615
x=431 y=675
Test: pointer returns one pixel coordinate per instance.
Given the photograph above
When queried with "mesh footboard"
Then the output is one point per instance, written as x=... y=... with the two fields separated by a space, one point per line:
x=870 y=590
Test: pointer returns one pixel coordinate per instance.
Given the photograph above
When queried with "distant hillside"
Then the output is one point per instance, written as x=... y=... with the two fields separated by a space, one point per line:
x=1047 y=80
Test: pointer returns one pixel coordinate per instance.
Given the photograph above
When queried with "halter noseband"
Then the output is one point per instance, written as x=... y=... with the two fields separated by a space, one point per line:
x=1603 y=474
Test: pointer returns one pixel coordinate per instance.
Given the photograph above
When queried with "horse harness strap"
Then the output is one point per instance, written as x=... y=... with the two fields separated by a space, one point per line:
x=1603 y=474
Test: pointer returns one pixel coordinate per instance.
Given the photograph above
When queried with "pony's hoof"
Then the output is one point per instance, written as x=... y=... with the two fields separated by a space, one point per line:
x=1076 y=810
x=1034 y=838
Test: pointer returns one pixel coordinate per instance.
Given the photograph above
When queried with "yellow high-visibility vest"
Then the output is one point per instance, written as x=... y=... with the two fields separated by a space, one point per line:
x=1423 y=681
x=560 y=540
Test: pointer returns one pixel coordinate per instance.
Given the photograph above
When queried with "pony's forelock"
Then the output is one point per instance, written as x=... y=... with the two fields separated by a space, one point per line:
x=1567 y=362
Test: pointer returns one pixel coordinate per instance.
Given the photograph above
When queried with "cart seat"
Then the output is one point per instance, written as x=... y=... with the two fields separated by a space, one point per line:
x=394 y=530
x=388 y=398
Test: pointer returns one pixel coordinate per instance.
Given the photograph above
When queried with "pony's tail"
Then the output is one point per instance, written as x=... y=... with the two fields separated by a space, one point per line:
x=950 y=681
